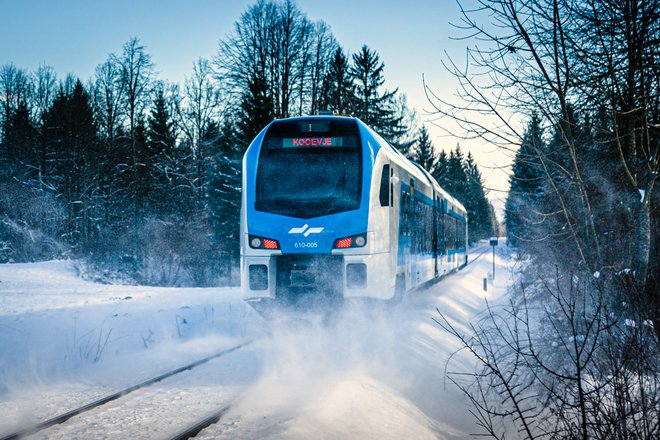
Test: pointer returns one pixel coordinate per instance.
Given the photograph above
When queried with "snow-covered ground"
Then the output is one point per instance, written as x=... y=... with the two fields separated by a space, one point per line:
x=370 y=372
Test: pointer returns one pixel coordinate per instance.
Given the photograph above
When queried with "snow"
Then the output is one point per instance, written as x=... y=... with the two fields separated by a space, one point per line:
x=371 y=371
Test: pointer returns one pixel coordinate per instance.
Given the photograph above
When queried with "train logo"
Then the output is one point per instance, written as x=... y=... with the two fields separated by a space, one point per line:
x=305 y=231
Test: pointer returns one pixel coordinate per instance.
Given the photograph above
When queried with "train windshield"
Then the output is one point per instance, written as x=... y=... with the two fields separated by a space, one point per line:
x=310 y=168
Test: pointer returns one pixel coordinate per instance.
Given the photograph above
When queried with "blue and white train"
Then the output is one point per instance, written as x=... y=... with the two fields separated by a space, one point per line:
x=330 y=210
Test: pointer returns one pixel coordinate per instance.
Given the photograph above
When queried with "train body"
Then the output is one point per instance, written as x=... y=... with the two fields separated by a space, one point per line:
x=330 y=210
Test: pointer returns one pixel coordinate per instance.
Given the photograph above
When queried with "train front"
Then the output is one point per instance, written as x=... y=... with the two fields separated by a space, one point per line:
x=304 y=213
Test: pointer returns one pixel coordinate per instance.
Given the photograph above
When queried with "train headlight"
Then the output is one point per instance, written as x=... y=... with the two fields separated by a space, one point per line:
x=263 y=243
x=353 y=241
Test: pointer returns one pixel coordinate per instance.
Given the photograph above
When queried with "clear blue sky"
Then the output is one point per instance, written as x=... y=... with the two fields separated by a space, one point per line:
x=74 y=36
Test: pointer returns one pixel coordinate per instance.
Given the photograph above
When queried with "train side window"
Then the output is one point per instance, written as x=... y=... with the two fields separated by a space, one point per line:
x=391 y=187
x=441 y=226
x=461 y=234
x=385 y=186
x=458 y=234
x=450 y=232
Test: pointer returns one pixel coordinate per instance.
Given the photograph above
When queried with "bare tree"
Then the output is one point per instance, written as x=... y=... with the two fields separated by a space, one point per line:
x=575 y=354
x=108 y=95
x=15 y=87
x=200 y=105
x=201 y=101
x=274 y=40
x=323 y=49
x=137 y=72
x=560 y=365
x=45 y=87
x=557 y=58
x=618 y=59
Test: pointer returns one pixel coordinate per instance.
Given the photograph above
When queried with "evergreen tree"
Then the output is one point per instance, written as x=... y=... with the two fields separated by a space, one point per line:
x=423 y=152
x=142 y=184
x=28 y=209
x=461 y=178
x=456 y=179
x=441 y=169
x=229 y=143
x=565 y=201
x=70 y=135
x=160 y=132
x=224 y=192
x=338 y=88
x=480 y=221
x=256 y=110
x=21 y=141
x=165 y=173
x=374 y=107
x=525 y=185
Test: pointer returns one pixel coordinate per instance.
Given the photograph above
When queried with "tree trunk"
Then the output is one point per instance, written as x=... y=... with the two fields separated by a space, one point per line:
x=642 y=248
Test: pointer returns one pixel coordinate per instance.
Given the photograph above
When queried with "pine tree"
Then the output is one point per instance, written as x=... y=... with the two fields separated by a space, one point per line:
x=71 y=137
x=480 y=222
x=224 y=192
x=338 y=88
x=373 y=106
x=142 y=184
x=164 y=197
x=256 y=109
x=525 y=185
x=423 y=151
x=461 y=178
x=21 y=146
x=441 y=169
x=229 y=143
x=456 y=178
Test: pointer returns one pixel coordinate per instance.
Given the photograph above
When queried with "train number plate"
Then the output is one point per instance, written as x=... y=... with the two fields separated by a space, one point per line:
x=306 y=245
x=302 y=278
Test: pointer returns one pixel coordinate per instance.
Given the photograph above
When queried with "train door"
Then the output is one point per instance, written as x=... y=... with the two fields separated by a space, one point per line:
x=442 y=238
x=393 y=215
x=436 y=227
x=404 y=240
x=414 y=236
x=387 y=199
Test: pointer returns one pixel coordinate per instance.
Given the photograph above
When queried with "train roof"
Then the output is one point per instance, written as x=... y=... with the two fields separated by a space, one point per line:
x=413 y=168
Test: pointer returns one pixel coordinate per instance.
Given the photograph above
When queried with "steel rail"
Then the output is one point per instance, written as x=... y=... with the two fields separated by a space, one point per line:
x=102 y=401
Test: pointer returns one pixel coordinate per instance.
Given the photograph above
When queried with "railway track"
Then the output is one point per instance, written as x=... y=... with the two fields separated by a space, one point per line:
x=193 y=429
x=61 y=418
x=216 y=416
x=199 y=426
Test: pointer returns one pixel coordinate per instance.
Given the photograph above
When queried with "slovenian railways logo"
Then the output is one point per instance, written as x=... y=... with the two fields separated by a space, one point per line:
x=306 y=230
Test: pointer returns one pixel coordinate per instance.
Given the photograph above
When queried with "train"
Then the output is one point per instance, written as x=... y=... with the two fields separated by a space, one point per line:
x=330 y=210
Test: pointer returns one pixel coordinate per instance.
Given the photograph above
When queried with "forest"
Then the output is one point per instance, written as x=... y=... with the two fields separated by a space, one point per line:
x=571 y=90
x=138 y=178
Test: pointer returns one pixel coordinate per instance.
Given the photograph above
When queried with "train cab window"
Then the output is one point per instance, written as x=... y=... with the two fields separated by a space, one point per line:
x=326 y=155
x=385 y=186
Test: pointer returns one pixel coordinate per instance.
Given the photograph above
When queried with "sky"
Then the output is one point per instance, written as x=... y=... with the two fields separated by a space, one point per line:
x=411 y=38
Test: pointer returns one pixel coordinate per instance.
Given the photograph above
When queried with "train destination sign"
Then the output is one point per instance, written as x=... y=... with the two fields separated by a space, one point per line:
x=299 y=142
x=310 y=142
